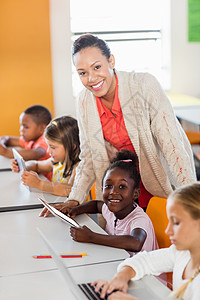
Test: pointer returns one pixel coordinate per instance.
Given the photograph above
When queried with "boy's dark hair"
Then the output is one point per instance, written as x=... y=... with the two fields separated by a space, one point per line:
x=128 y=161
x=39 y=113
x=64 y=130
x=89 y=40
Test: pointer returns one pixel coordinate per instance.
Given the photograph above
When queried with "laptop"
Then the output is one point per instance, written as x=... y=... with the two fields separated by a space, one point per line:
x=79 y=291
x=59 y=214
x=147 y=289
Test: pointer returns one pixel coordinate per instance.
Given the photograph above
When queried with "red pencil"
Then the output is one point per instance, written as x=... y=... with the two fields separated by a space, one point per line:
x=64 y=256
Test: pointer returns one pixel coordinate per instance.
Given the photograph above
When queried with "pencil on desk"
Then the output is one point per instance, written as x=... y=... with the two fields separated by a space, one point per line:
x=64 y=255
x=49 y=256
x=76 y=253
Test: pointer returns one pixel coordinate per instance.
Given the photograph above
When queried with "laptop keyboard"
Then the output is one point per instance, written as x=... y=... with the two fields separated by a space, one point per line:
x=89 y=292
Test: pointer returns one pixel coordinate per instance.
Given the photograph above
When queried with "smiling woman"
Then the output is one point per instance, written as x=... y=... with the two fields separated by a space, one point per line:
x=123 y=107
x=125 y=110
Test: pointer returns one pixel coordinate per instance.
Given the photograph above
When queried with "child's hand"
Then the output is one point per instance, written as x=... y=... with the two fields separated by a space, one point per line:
x=4 y=140
x=59 y=206
x=82 y=234
x=31 y=179
x=14 y=166
x=2 y=149
x=107 y=287
x=72 y=212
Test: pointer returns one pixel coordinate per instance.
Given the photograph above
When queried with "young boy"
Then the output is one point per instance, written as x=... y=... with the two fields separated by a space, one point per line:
x=33 y=121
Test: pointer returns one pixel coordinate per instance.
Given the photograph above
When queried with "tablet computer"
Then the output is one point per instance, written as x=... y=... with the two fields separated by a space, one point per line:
x=20 y=160
x=59 y=214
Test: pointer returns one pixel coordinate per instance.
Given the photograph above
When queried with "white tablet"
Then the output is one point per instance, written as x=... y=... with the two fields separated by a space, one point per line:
x=59 y=214
x=20 y=160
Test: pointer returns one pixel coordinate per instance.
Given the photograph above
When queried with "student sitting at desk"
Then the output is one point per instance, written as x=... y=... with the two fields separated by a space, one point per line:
x=128 y=226
x=33 y=122
x=62 y=137
x=183 y=257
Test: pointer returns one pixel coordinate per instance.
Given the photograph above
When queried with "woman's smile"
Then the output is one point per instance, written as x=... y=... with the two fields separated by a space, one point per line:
x=98 y=86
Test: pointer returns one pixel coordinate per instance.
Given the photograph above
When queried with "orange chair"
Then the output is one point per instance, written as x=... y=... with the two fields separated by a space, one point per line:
x=93 y=192
x=193 y=137
x=156 y=210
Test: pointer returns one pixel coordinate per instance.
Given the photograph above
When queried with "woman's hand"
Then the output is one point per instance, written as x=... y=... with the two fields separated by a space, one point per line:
x=59 y=206
x=14 y=166
x=31 y=179
x=82 y=234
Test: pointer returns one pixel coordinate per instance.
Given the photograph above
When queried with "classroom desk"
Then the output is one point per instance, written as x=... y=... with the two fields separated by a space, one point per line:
x=51 y=285
x=190 y=114
x=15 y=196
x=5 y=163
x=19 y=240
x=181 y=100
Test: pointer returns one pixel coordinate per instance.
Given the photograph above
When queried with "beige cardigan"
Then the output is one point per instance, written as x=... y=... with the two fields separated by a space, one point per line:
x=164 y=153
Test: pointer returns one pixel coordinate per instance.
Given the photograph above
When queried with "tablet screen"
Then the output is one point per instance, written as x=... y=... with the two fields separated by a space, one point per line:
x=59 y=214
x=20 y=160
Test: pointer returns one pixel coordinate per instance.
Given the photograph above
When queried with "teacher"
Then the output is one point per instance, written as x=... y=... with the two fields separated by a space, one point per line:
x=125 y=110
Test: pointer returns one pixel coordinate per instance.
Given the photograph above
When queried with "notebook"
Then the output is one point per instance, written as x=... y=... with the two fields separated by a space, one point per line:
x=145 y=290
x=59 y=214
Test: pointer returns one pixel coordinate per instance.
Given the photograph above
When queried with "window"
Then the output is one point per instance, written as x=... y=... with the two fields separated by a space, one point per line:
x=138 y=33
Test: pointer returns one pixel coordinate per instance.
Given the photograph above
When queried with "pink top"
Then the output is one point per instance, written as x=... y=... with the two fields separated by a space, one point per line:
x=136 y=219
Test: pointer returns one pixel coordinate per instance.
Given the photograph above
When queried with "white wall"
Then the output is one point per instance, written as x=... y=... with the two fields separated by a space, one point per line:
x=61 y=46
x=185 y=56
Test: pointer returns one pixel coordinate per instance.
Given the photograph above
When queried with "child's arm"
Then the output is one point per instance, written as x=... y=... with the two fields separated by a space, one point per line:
x=118 y=282
x=90 y=207
x=32 y=154
x=27 y=154
x=10 y=141
x=34 y=165
x=42 y=166
x=7 y=142
x=32 y=179
x=133 y=242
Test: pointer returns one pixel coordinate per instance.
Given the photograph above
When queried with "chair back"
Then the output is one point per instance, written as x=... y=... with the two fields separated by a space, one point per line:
x=156 y=210
x=193 y=137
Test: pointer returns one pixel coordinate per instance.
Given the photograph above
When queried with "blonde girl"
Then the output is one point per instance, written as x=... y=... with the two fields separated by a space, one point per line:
x=62 y=136
x=183 y=257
